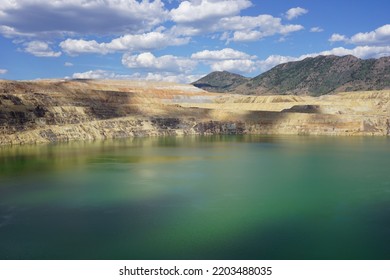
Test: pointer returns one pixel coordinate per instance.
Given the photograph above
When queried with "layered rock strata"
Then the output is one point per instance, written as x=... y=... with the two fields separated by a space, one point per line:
x=62 y=110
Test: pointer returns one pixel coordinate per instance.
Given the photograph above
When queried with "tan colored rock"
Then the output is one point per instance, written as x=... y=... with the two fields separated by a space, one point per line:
x=62 y=110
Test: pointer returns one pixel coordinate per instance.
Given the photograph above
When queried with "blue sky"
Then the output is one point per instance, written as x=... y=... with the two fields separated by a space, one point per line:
x=181 y=41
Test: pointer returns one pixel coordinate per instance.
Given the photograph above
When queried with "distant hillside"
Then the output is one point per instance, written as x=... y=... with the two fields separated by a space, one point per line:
x=318 y=76
x=220 y=81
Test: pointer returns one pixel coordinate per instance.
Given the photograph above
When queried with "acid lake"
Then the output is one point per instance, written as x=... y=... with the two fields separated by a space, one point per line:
x=217 y=197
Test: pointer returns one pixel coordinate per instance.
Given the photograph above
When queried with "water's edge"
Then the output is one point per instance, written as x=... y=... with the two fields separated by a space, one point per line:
x=143 y=127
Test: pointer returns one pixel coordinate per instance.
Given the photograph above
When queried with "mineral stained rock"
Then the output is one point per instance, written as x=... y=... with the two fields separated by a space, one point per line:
x=64 y=110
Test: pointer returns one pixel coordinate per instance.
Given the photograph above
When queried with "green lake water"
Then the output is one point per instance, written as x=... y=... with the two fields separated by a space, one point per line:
x=230 y=197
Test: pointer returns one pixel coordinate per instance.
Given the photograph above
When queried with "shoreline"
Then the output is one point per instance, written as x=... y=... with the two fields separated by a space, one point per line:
x=62 y=111
x=126 y=128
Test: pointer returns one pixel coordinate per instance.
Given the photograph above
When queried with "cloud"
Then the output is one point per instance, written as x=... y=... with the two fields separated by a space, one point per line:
x=316 y=29
x=249 y=28
x=100 y=74
x=166 y=63
x=338 y=38
x=9 y=32
x=40 y=49
x=236 y=66
x=227 y=60
x=97 y=74
x=139 y=42
x=163 y=76
x=187 y=30
x=240 y=62
x=247 y=36
x=224 y=54
x=68 y=64
x=363 y=52
x=295 y=12
x=274 y=60
x=3 y=71
x=380 y=36
x=168 y=77
x=178 y=69
x=286 y=29
x=204 y=10
x=74 y=47
x=245 y=28
x=46 y=17
x=132 y=19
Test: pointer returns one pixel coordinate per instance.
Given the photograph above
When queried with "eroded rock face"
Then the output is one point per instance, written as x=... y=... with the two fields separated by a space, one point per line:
x=53 y=111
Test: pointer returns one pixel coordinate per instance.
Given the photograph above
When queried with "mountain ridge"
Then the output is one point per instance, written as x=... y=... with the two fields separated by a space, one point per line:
x=220 y=81
x=314 y=76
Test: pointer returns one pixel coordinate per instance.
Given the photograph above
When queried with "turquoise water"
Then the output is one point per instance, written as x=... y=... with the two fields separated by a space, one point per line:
x=230 y=197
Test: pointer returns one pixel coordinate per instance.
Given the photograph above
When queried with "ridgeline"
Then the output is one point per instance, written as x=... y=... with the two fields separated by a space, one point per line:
x=312 y=76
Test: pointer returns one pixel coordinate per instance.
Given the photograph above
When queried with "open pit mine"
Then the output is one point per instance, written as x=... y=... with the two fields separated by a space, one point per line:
x=64 y=110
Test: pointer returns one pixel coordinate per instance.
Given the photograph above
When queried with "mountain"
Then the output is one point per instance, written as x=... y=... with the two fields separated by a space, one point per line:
x=318 y=76
x=220 y=81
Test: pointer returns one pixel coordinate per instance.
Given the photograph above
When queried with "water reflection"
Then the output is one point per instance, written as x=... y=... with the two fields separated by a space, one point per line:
x=19 y=160
x=217 y=197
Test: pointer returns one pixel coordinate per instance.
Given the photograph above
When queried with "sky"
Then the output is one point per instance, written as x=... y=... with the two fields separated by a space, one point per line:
x=181 y=41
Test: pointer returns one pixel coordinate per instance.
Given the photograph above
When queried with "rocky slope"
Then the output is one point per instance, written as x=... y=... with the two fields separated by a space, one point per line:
x=317 y=76
x=53 y=111
x=220 y=81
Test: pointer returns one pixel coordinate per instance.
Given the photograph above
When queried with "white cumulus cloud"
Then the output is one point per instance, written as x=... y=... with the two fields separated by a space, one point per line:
x=224 y=54
x=252 y=35
x=98 y=75
x=139 y=42
x=45 y=17
x=337 y=38
x=3 y=71
x=227 y=60
x=379 y=36
x=41 y=49
x=168 y=77
x=247 y=28
x=203 y=10
x=166 y=63
x=295 y=12
x=316 y=29
x=286 y=29
x=150 y=76
x=359 y=51
x=274 y=60
x=235 y=65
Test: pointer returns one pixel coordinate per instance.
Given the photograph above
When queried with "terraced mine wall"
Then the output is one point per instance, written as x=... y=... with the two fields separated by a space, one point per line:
x=56 y=111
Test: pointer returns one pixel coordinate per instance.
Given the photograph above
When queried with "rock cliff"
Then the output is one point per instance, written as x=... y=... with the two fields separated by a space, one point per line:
x=64 y=110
